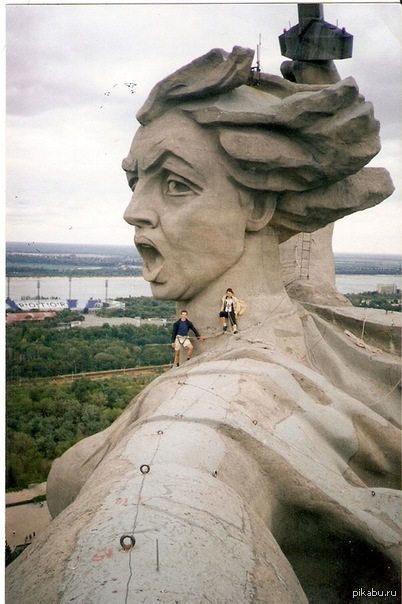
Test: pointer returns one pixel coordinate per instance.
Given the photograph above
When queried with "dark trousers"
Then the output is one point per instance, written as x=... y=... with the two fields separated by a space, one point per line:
x=226 y=314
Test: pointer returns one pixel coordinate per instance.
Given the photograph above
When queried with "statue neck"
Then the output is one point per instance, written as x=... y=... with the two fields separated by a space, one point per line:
x=256 y=279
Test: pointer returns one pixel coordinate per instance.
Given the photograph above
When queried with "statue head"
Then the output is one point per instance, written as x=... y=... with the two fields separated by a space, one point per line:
x=220 y=154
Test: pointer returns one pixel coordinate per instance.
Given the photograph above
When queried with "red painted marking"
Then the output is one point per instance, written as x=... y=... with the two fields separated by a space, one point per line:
x=105 y=553
x=120 y=501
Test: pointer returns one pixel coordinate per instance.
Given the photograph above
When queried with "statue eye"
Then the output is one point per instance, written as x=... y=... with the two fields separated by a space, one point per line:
x=178 y=186
x=132 y=180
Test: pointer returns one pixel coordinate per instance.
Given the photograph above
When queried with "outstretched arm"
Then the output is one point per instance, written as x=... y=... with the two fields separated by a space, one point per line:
x=195 y=331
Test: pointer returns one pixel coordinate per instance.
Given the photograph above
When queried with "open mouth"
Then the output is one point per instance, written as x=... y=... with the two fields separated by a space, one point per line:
x=153 y=261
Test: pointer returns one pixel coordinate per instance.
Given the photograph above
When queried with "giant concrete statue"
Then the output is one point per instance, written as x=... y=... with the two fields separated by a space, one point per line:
x=266 y=468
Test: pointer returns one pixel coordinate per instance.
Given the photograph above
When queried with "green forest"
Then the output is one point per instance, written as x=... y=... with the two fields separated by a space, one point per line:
x=44 y=420
x=388 y=302
x=36 y=350
x=143 y=307
x=44 y=417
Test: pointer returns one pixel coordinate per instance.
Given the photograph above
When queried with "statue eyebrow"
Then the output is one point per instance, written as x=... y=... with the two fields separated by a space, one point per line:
x=130 y=165
x=161 y=156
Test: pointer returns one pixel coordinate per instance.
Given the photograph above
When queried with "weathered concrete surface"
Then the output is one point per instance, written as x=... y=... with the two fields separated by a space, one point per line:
x=308 y=268
x=377 y=328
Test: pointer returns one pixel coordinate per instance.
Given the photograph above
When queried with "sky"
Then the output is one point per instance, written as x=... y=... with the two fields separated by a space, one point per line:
x=77 y=74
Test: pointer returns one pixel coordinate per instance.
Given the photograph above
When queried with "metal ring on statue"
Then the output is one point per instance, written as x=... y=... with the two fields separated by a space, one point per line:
x=127 y=546
x=144 y=469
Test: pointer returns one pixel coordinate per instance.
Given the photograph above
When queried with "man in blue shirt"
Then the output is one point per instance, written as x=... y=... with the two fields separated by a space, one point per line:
x=180 y=336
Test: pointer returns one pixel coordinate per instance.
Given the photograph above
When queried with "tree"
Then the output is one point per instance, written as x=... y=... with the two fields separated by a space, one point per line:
x=92 y=419
x=43 y=421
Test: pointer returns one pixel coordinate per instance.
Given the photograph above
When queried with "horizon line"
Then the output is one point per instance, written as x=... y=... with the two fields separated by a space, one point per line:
x=133 y=246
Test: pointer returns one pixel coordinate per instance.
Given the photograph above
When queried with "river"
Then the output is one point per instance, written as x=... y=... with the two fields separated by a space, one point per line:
x=83 y=288
x=80 y=288
x=355 y=284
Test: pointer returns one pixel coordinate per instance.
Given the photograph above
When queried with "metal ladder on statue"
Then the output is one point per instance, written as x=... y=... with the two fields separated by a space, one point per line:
x=305 y=256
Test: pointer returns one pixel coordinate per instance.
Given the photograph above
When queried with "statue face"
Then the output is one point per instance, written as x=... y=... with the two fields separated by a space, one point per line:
x=189 y=223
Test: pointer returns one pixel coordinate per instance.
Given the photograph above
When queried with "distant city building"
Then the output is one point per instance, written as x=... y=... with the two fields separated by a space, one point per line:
x=385 y=288
x=21 y=317
x=34 y=305
x=90 y=305
x=114 y=304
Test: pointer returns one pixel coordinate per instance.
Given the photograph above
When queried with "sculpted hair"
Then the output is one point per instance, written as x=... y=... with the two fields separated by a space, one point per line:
x=307 y=144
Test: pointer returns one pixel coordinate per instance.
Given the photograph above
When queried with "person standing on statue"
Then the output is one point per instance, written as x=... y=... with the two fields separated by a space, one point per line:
x=229 y=310
x=180 y=338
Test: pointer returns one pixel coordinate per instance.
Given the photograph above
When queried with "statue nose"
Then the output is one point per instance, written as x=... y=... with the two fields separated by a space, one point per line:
x=141 y=217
